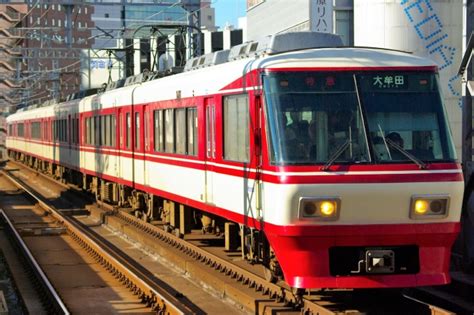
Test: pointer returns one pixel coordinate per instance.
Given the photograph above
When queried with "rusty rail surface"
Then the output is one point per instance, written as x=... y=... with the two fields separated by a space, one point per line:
x=49 y=296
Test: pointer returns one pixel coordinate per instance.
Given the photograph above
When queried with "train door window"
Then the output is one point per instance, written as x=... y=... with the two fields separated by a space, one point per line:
x=137 y=131
x=236 y=128
x=158 y=130
x=191 y=123
x=113 y=125
x=103 y=130
x=87 y=130
x=76 y=130
x=129 y=131
x=97 y=130
x=145 y=129
x=169 y=130
x=121 y=129
x=180 y=130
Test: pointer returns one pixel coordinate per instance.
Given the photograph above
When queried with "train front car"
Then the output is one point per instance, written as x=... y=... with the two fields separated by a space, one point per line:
x=361 y=185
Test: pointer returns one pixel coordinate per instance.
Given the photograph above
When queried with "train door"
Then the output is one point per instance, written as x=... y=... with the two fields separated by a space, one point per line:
x=210 y=148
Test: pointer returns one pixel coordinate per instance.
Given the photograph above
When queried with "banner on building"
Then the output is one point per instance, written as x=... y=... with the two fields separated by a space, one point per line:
x=321 y=16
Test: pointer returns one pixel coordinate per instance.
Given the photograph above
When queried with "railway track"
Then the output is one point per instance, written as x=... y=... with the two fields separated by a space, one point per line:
x=268 y=297
x=151 y=291
x=50 y=298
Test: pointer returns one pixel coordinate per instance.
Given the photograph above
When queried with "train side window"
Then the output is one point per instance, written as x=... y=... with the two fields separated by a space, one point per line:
x=103 y=130
x=137 y=131
x=158 y=130
x=88 y=130
x=129 y=131
x=98 y=132
x=36 y=130
x=192 y=124
x=180 y=130
x=169 y=130
x=236 y=128
x=113 y=127
x=145 y=129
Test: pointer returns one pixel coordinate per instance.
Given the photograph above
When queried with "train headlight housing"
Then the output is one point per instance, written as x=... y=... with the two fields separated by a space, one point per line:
x=429 y=207
x=325 y=209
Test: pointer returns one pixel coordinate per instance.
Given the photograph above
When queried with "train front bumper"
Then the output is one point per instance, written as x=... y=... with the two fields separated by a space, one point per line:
x=330 y=256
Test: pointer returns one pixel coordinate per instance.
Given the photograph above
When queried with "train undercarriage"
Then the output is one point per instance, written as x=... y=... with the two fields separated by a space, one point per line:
x=175 y=218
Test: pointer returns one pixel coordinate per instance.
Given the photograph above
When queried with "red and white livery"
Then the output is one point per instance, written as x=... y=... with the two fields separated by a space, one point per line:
x=337 y=162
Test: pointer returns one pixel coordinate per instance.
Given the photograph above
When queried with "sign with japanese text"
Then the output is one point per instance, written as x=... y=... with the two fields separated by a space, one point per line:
x=321 y=16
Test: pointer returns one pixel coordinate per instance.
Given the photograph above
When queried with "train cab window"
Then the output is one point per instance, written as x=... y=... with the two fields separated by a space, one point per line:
x=137 y=131
x=236 y=128
x=158 y=130
x=181 y=130
x=129 y=131
x=169 y=130
x=192 y=124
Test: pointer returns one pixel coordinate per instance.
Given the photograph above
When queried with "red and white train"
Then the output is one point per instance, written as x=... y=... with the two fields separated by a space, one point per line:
x=336 y=163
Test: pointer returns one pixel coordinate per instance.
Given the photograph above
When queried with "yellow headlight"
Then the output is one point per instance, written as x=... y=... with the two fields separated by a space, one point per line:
x=327 y=208
x=421 y=206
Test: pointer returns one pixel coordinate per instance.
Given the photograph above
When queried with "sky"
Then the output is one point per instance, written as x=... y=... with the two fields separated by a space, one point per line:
x=228 y=11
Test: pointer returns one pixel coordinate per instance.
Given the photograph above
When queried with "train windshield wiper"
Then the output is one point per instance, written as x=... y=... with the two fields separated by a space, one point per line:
x=336 y=154
x=413 y=158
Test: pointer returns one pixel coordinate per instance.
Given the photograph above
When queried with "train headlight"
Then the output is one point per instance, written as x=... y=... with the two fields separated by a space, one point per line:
x=429 y=207
x=326 y=209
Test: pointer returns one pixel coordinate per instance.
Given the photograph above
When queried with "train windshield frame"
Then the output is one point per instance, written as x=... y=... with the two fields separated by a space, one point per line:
x=355 y=117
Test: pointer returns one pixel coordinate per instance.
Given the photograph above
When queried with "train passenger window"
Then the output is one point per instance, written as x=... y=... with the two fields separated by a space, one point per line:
x=236 y=128
x=192 y=124
x=169 y=130
x=129 y=131
x=181 y=130
x=36 y=130
x=10 y=130
x=158 y=130
x=137 y=131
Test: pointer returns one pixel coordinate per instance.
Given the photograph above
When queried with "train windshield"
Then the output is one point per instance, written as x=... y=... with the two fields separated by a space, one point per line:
x=342 y=117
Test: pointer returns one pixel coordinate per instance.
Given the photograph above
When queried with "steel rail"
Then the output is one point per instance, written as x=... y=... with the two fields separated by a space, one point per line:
x=146 y=286
x=53 y=299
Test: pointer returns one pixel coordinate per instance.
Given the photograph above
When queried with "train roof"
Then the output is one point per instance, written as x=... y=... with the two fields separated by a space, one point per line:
x=215 y=72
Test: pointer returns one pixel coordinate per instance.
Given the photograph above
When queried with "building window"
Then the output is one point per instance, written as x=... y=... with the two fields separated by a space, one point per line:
x=345 y=26
x=59 y=23
x=106 y=15
x=236 y=128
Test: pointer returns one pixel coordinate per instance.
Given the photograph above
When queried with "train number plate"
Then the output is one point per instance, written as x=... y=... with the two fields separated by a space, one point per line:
x=379 y=261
